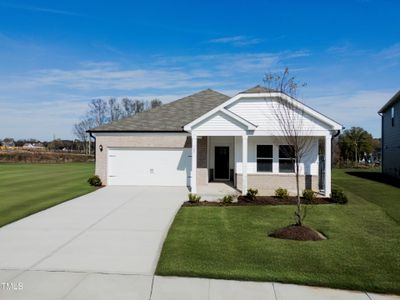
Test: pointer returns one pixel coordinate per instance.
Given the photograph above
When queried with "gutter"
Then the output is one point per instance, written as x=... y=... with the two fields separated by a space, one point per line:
x=336 y=134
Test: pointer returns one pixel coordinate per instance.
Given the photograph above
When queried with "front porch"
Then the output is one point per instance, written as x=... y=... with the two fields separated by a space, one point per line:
x=228 y=164
x=214 y=191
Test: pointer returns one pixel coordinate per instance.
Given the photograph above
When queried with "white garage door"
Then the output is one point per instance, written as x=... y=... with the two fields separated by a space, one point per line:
x=155 y=166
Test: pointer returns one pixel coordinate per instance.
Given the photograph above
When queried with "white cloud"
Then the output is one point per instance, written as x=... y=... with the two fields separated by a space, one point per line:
x=238 y=40
x=392 y=52
x=40 y=9
x=44 y=102
x=356 y=108
x=163 y=73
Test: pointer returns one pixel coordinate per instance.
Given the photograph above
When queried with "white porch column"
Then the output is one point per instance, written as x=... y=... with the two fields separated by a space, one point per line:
x=193 y=179
x=244 y=164
x=328 y=153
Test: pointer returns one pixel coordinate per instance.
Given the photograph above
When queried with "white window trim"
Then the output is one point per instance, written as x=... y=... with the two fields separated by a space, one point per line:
x=272 y=158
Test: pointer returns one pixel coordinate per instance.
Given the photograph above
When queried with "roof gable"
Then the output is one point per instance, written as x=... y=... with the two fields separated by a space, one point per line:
x=329 y=123
x=221 y=120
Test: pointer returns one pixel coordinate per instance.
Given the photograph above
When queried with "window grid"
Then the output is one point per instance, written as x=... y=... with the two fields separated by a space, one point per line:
x=286 y=159
x=264 y=161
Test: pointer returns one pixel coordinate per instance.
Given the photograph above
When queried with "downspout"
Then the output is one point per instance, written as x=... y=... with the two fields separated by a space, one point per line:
x=94 y=138
x=333 y=136
x=336 y=134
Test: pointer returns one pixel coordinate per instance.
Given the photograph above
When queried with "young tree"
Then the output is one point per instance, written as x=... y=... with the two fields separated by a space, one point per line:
x=290 y=117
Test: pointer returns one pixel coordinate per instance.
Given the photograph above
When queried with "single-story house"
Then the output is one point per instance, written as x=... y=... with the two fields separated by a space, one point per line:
x=390 y=114
x=33 y=146
x=208 y=137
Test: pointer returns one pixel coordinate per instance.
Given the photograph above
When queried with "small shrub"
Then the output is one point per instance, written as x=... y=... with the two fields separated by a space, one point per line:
x=251 y=194
x=281 y=193
x=193 y=198
x=309 y=195
x=227 y=199
x=95 y=180
x=338 y=196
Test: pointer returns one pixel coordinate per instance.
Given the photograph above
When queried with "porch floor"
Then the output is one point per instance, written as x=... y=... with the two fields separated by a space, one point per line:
x=216 y=190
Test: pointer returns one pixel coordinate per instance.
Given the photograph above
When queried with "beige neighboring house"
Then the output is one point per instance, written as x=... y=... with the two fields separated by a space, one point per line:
x=210 y=137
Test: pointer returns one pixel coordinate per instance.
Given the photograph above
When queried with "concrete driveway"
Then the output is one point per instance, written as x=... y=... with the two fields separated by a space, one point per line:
x=115 y=230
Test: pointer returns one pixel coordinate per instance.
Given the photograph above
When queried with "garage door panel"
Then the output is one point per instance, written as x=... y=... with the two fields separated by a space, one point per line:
x=159 y=167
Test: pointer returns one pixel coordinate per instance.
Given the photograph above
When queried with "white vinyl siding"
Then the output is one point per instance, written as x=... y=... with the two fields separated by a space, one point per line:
x=260 y=112
x=219 y=121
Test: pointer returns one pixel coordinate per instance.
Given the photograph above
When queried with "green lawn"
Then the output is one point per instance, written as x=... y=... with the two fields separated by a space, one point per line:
x=29 y=188
x=362 y=251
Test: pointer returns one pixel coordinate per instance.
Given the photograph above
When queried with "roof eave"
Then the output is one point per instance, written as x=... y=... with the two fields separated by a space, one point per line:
x=138 y=131
x=388 y=104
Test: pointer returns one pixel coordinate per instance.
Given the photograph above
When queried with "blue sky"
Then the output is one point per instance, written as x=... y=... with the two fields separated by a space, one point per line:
x=57 y=55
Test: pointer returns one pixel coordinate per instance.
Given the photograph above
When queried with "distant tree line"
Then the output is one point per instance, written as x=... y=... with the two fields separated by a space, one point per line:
x=355 y=146
x=102 y=112
x=54 y=145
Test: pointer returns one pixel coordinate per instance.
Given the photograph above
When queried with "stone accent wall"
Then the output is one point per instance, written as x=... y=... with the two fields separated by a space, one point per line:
x=202 y=152
x=267 y=183
x=202 y=171
x=136 y=141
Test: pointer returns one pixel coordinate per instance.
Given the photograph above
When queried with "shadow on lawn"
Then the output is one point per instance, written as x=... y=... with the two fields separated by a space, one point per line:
x=376 y=176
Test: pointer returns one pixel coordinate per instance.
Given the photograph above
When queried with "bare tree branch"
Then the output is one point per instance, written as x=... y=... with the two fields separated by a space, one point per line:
x=290 y=118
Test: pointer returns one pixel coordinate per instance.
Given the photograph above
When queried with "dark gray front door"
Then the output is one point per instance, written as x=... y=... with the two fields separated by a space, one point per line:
x=222 y=163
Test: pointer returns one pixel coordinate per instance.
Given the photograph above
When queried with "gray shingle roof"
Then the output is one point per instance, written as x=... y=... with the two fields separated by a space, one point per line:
x=257 y=89
x=169 y=117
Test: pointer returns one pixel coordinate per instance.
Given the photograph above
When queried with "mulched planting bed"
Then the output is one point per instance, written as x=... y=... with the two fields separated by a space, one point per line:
x=283 y=201
x=261 y=200
x=298 y=233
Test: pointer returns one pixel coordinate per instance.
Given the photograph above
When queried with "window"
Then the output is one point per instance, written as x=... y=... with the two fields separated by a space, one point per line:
x=286 y=159
x=264 y=158
x=392 y=111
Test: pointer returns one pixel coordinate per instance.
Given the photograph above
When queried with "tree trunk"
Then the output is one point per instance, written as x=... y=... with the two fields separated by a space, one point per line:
x=298 y=212
x=90 y=150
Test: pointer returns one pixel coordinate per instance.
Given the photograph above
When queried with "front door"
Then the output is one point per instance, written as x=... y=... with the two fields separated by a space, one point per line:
x=222 y=163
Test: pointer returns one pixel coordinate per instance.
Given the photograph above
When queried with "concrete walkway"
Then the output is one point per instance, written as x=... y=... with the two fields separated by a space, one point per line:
x=105 y=245
x=45 y=285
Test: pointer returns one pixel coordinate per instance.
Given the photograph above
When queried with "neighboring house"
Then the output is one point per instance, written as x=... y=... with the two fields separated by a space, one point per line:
x=8 y=142
x=33 y=146
x=390 y=113
x=232 y=139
